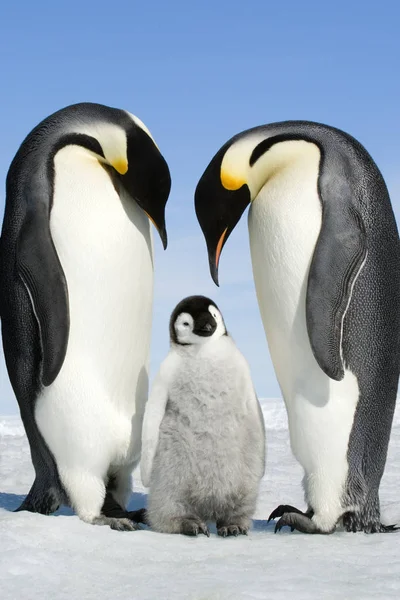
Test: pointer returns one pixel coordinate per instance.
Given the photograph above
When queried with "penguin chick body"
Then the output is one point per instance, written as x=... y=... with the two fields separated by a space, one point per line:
x=203 y=452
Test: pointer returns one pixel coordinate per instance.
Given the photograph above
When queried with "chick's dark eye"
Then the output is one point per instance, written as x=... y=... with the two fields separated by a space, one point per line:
x=186 y=324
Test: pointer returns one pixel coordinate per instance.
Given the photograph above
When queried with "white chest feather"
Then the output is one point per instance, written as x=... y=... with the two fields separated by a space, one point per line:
x=104 y=244
x=284 y=224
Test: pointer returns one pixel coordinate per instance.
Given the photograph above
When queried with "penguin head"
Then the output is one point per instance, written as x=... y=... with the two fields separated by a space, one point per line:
x=219 y=202
x=147 y=176
x=196 y=320
x=121 y=141
x=232 y=180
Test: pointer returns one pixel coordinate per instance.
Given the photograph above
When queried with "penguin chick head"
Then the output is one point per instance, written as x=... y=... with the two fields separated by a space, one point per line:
x=196 y=320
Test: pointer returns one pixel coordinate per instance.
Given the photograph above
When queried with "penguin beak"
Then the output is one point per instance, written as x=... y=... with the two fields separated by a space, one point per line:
x=220 y=200
x=218 y=215
x=205 y=326
x=162 y=231
x=214 y=256
x=148 y=180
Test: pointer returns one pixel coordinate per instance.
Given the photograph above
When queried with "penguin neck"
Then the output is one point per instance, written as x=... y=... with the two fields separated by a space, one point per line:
x=194 y=351
x=283 y=159
x=284 y=224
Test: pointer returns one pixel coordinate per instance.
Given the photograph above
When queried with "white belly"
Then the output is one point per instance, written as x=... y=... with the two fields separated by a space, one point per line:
x=93 y=411
x=284 y=223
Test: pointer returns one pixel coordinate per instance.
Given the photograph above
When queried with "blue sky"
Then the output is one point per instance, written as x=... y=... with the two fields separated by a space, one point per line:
x=197 y=73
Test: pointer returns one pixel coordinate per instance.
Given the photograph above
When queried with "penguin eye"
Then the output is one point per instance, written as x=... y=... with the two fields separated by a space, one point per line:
x=186 y=324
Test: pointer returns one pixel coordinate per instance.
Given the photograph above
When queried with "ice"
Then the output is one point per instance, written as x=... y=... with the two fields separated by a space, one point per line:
x=63 y=558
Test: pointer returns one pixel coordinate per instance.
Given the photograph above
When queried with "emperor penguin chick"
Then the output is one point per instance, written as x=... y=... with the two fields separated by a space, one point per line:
x=203 y=437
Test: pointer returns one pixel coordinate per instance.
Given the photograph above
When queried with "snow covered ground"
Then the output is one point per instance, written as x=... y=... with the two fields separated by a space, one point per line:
x=56 y=558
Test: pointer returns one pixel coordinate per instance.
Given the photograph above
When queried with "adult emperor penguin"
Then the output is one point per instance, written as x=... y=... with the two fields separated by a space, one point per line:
x=326 y=263
x=76 y=301
x=203 y=432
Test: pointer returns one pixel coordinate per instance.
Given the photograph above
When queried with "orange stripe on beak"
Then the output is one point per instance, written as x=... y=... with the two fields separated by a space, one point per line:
x=219 y=247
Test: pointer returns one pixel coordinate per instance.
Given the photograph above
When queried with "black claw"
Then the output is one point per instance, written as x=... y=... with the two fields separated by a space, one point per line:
x=278 y=527
x=137 y=516
x=205 y=531
x=275 y=514
x=222 y=532
x=281 y=510
x=286 y=521
x=231 y=530
x=193 y=528
x=391 y=527
x=192 y=532
x=281 y=524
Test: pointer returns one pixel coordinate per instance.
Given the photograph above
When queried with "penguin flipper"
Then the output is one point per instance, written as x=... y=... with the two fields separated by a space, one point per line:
x=42 y=274
x=338 y=258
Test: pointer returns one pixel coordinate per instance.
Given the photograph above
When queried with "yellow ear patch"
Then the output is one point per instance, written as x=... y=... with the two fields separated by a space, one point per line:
x=120 y=165
x=230 y=182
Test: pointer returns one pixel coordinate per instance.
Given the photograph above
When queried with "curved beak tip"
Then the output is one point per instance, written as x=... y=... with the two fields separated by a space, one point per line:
x=162 y=230
x=214 y=273
x=163 y=235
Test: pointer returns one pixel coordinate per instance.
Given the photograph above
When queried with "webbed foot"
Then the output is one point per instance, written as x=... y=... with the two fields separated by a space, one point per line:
x=295 y=519
x=42 y=498
x=354 y=522
x=229 y=530
x=137 y=516
x=116 y=523
x=233 y=526
x=111 y=508
x=193 y=527
x=287 y=508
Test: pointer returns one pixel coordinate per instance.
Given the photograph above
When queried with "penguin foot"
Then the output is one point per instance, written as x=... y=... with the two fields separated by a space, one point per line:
x=354 y=523
x=233 y=525
x=193 y=527
x=116 y=524
x=286 y=508
x=299 y=521
x=111 y=508
x=229 y=530
x=41 y=500
x=138 y=516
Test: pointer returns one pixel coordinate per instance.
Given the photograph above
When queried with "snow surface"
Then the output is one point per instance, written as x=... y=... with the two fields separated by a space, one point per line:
x=63 y=558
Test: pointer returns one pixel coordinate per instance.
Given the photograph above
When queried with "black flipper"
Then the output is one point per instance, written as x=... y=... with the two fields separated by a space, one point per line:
x=42 y=274
x=338 y=257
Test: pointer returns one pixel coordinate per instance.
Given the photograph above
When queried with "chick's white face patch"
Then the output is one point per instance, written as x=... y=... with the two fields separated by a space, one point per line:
x=184 y=326
x=221 y=330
